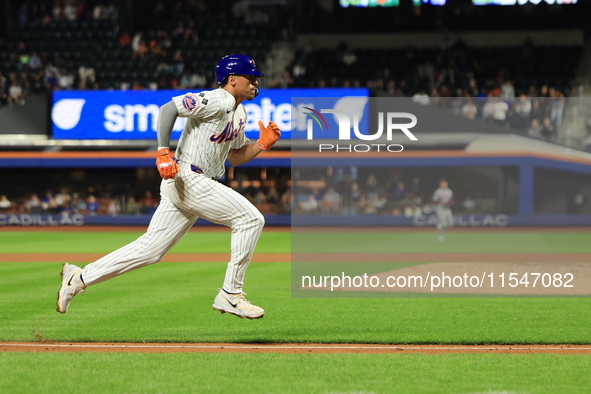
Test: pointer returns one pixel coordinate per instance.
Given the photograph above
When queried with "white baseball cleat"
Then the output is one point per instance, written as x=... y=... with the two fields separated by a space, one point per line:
x=237 y=305
x=71 y=285
x=441 y=238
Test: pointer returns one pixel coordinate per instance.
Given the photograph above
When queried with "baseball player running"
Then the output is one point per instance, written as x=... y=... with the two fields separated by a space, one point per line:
x=443 y=196
x=214 y=132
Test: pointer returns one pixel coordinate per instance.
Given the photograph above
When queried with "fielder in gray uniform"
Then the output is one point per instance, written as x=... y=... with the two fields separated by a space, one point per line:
x=443 y=196
x=214 y=132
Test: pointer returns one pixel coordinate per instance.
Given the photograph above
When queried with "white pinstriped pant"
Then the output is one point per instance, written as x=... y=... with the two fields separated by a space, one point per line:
x=446 y=218
x=184 y=199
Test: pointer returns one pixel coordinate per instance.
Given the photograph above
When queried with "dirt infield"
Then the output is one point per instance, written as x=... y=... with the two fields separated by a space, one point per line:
x=288 y=348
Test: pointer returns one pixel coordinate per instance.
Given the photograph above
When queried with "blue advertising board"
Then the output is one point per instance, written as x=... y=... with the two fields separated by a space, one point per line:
x=133 y=114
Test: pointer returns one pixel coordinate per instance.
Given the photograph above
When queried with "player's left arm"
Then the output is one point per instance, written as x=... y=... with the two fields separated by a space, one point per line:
x=166 y=165
x=268 y=137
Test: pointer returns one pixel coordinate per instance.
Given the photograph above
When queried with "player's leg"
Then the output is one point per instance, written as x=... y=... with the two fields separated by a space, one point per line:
x=246 y=221
x=168 y=225
x=439 y=211
x=449 y=218
x=220 y=204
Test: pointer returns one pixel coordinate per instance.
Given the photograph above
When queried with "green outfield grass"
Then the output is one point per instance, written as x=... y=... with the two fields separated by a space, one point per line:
x=280 y=242
x=274 y=373
x=105 y=242
x=172 y=302
x=353 y=240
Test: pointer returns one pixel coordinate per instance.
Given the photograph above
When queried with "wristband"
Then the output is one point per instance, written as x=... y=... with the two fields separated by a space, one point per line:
x=262 y=146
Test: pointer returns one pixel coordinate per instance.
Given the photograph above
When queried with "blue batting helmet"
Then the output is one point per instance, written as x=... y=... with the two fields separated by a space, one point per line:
x=235 y=64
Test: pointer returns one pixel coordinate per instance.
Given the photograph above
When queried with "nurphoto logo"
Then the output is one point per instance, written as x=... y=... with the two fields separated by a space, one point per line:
x=344 y=123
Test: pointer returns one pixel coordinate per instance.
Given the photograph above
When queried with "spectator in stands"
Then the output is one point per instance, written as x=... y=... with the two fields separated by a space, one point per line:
x=400 y=191
x=62 y=199
x=392 y=90
x=299 y=71
x=435 y=97
x=77 y=204
x=548 y=129
x=349 y=58
x=135 y=41
x=147 y=203
x=472 y=89
x=57 y=10
x=65 y=80
x=521 y=112
x=309 y=206
x=272 y=195
x=330 y=203
x=70 y=12
x=284 y=206
x=86 y=76
x=113 y=207
x=132 y=207
x=99 y=11
x=469 y=109
x=34 y=62
x=49 y=205
x=495 y=110
x=376 y=203
x=425 y=72
x=33 y=204
x=111 y=12
x=190 y=32
x=16 y=94
x=353 y=200
x=5 y=203
x=413 y=211
x=284 y=81
x=177 y=62
x=92 y=205
x=537 y=108
x=544 y=91
x=535 y=129
x=469 y=204
x=415 y=189
x=507 y=90
x=421 y=97
x=556 y=107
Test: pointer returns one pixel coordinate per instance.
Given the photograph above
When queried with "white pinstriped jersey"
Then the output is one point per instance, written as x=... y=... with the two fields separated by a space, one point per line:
x=442 y=196
x=213 y=128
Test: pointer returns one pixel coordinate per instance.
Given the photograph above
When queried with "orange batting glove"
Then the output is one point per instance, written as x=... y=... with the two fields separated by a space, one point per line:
x=167 y=167
x=269 y=135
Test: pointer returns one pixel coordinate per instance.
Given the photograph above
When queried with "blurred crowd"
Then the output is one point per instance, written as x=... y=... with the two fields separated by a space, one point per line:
x=270 y=196
x=345 y=191
x=148 y=44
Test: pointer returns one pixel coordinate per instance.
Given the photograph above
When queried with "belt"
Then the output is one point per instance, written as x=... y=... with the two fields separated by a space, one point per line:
x=196 y=169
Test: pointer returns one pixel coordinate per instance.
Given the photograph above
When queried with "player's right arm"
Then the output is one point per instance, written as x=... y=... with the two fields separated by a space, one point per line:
x=166 y=165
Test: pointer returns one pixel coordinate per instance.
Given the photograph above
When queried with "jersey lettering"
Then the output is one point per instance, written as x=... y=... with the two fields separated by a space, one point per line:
x=227 y=134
